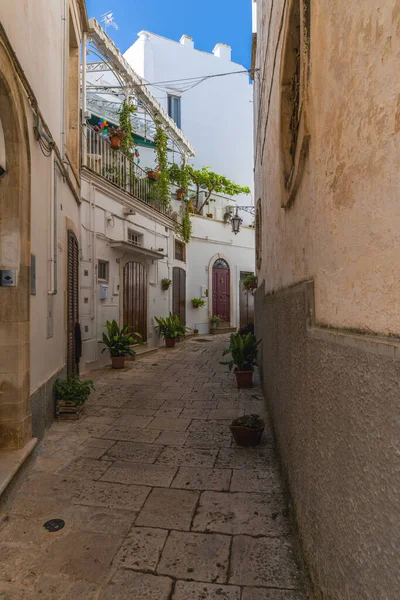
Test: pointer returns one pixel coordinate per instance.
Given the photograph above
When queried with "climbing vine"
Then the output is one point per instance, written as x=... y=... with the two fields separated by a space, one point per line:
x=125 y=112
x=185 y=229
x=161 y=142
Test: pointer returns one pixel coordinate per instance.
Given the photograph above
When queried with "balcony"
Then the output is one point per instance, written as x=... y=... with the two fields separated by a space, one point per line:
x=119 y=170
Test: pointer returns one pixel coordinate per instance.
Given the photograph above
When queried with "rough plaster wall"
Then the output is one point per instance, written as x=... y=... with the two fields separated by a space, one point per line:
x=343 y=229
x=334 y=411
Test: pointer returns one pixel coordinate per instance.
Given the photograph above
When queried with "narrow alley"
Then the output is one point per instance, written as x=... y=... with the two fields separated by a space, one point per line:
x=157 y=501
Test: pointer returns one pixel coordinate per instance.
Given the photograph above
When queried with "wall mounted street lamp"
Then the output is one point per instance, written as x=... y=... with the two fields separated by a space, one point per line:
x=236 y=221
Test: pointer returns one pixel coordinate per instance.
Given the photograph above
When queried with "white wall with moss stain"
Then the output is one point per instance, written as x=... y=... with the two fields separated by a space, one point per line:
x=343 y=229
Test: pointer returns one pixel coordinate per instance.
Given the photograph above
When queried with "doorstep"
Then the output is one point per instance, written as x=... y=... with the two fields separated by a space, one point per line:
x=222 y=330
x=11 y=461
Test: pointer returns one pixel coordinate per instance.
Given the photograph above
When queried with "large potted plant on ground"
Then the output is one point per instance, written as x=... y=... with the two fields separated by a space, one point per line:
x=247 y=430
x=166 y=327
x=215 y=321
x=250 y=283
x=181 y=329
x=243 y=350
x=70 y=395
x=118 y=343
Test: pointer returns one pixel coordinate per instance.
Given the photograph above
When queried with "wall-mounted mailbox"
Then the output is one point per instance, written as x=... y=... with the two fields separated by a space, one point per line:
x=8 y=278
x=103 y=291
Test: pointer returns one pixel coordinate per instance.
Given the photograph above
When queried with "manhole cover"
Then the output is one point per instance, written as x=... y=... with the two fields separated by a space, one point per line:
x=203 y=340
x=54 y=525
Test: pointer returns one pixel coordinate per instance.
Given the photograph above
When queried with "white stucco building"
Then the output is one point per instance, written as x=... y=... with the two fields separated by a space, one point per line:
x=216 y=115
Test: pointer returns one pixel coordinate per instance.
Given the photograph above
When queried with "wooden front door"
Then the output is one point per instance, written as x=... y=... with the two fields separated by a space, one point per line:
x=135 y=298
x=179 y=293
x=221 y=290
x=72 y=304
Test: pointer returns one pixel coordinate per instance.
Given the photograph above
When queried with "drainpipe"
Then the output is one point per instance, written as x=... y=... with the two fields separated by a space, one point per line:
x=84 y=109
x=53 y=243
x=64 y=72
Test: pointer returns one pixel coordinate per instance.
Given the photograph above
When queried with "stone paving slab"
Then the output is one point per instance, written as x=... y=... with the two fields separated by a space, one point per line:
x=171 y=438
x=191 y=478
x=265 y=594
x=267 y=480
x=129 y=433
x=127 y=585
x=168 y=509
x=140 y=474
x=196 y=556
x=247 y=459
x=141 y=550
x=236 y=513
x=111 y=495
x=85 y=468
x=265 y=562
x=135 y=452
x=187 y=457
x=190 y=590
x=169 y=424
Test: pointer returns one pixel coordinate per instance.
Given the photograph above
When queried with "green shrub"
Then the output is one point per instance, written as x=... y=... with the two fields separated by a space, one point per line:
x=73 y=389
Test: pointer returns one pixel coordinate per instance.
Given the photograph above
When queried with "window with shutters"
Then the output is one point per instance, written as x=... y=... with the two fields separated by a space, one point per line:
x=103 y=270
x=180 y=251
x=294 y=129
x=174 y=108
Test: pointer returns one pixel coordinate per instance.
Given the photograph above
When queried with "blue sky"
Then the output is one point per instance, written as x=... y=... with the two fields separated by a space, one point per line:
x=206 y=21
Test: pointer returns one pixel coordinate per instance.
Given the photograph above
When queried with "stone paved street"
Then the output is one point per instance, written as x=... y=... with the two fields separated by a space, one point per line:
x=158 y=502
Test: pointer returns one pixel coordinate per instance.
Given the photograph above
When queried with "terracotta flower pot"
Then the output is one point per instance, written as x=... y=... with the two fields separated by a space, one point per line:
x=115 y=142
x=170 y=342
x=152 y=175
x=165 y=286
x=244 y=379
x=247 y=437
x=210 y=215
x=118 y=362
x=180 y=195
x=254 y=284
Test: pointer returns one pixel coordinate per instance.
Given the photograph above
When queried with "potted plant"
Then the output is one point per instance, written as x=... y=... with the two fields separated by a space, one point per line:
x=180 y=329
x=166 y=327
x=70 y=395
x=247 y=430
x=116 y=135
x=118 y=343
x=198 y=302
x=215 y=322
x=152 y=174
x=243 y=350
x=250 y=283
x=165 y=283
x=195 y=332
x=210 y=215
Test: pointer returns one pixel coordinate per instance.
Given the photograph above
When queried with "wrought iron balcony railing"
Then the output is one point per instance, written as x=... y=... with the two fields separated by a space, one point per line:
x=120 y=170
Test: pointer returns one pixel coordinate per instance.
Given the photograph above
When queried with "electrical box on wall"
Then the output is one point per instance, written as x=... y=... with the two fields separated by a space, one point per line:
x=103 y=291
x=8 y=278
x=204 y=291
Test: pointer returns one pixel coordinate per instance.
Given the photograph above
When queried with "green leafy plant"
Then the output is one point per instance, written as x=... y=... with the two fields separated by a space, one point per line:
x=249 y=422
x=167 y=327
x=243 y=350
x=180 y=328
x=249 y=282
x=180 y=176
x=118 y=341
x=216 y=320
x=213 y=183
x=73 y=389
x=198 y=302
x=184 y=229
x=166 y=281
x=125 y=112
x=161 y=142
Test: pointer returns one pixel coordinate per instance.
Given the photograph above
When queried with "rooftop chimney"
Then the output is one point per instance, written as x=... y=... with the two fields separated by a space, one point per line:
x=222 y=51
x=187 y=41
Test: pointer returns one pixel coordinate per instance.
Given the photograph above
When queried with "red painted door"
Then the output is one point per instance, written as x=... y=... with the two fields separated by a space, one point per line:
x=221 y=290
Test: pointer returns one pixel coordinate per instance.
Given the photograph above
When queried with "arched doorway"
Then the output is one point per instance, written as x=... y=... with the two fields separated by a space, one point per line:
x=221 y=290
x=72 y=304
x=15 y=210
x=179 y=293
x=135 y=298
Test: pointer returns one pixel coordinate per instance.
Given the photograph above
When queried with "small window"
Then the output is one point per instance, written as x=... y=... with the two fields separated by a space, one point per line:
x=174 y=108
x=102 y=270
x=180 y=251
x=135 y=238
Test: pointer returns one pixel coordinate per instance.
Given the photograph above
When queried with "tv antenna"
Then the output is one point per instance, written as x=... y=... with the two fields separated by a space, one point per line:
x=108 y=19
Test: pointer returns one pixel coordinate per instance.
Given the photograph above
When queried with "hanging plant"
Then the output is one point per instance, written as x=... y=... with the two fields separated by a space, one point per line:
x=161 y=142
x=186 y=226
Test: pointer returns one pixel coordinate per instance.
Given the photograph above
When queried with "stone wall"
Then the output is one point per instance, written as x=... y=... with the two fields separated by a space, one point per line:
x=334 y=398
x=43 y=405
